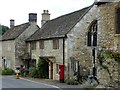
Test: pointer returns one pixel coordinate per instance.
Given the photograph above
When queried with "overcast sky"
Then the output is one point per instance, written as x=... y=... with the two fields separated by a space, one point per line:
x=19 y=9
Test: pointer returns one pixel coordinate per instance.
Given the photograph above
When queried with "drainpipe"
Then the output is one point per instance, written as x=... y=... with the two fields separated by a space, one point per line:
x=94 y=67
x=63 y=51
x=63 y=70
x=30 y=56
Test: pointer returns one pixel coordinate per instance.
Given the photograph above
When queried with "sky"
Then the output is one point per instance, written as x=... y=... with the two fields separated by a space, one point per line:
x=19 y=9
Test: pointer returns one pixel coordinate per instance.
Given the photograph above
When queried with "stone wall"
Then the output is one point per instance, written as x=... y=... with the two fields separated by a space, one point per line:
x=8 y=51
x=77 y=46
x=77 y=43
x=20 y=43
x=108 y=38
x=107 y=25
x=108 y=73
x=54 y=55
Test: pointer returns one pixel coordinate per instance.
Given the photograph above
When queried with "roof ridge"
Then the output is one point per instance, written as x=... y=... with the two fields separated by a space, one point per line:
x=60 y=26
x=71 y=13
x=20 y=24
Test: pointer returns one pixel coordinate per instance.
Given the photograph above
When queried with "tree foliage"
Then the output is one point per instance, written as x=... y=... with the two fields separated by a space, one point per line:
x=3 y=29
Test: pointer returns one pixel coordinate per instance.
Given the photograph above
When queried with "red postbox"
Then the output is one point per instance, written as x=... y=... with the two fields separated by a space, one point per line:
x=61 y=72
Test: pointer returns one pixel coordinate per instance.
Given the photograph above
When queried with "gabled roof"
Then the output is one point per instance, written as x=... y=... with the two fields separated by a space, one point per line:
x=60 y=26
x=15 y=31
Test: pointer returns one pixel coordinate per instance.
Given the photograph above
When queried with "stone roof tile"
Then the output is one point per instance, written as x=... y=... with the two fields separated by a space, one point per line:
x=15 y=31
x=60 y=26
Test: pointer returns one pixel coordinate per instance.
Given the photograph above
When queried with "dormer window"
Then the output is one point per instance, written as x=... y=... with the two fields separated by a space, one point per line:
x=118 y=21
x=92 y=34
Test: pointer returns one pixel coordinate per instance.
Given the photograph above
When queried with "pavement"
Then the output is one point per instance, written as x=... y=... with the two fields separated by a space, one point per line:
x=52 y=82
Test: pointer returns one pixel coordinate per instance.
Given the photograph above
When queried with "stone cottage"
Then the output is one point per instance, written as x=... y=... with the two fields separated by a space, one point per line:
x=13 y=42
x=102 y=32
x=75 y=39
x=58 y=39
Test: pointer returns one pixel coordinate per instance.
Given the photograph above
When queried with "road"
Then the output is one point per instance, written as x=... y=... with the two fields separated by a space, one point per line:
x=11 y=83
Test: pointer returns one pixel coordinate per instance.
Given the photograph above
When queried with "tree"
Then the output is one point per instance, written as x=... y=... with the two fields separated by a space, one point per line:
x=3 y=29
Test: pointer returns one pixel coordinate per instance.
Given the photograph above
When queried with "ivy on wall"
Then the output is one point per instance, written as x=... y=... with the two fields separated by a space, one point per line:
x=105 y=54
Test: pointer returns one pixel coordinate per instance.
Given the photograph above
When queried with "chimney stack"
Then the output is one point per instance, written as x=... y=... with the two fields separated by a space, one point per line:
x=45 y=17
x=12 y=23
x=33 y=17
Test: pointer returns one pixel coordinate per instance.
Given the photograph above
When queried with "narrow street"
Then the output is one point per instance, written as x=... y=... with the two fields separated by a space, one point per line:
x=10 y=82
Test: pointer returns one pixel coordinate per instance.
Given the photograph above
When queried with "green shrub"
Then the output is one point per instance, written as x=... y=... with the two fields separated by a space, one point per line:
x=72 y=82
x=34 y=72
x=41 y=70
x=7 y=71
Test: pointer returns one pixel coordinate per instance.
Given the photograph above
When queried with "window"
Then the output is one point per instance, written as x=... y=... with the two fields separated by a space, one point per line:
x=33 y=45
x=74 y=64
x=56 y=44
x=27 y=47
x=118 y=21
x=57 y=68
x=41 y=44
x=92 y=34
x=9 y=46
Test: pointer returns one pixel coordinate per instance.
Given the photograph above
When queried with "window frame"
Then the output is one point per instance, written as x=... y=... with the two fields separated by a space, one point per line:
x=92 y=34
x=9 y=45
x=27 y=46
x=41 y=44
x=57 y=68
x=33 y=45
x=55 y=43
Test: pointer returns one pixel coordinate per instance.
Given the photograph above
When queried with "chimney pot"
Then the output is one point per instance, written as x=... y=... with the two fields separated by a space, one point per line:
x=33 y=17
x=47 y=11
x=12 y=23
x=44 y=11
x=45 y=17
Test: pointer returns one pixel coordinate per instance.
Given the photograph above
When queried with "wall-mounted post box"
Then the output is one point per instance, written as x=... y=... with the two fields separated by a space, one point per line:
x=61 y=73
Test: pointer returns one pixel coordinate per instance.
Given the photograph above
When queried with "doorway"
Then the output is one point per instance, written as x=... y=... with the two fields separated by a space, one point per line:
x=51 y=71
